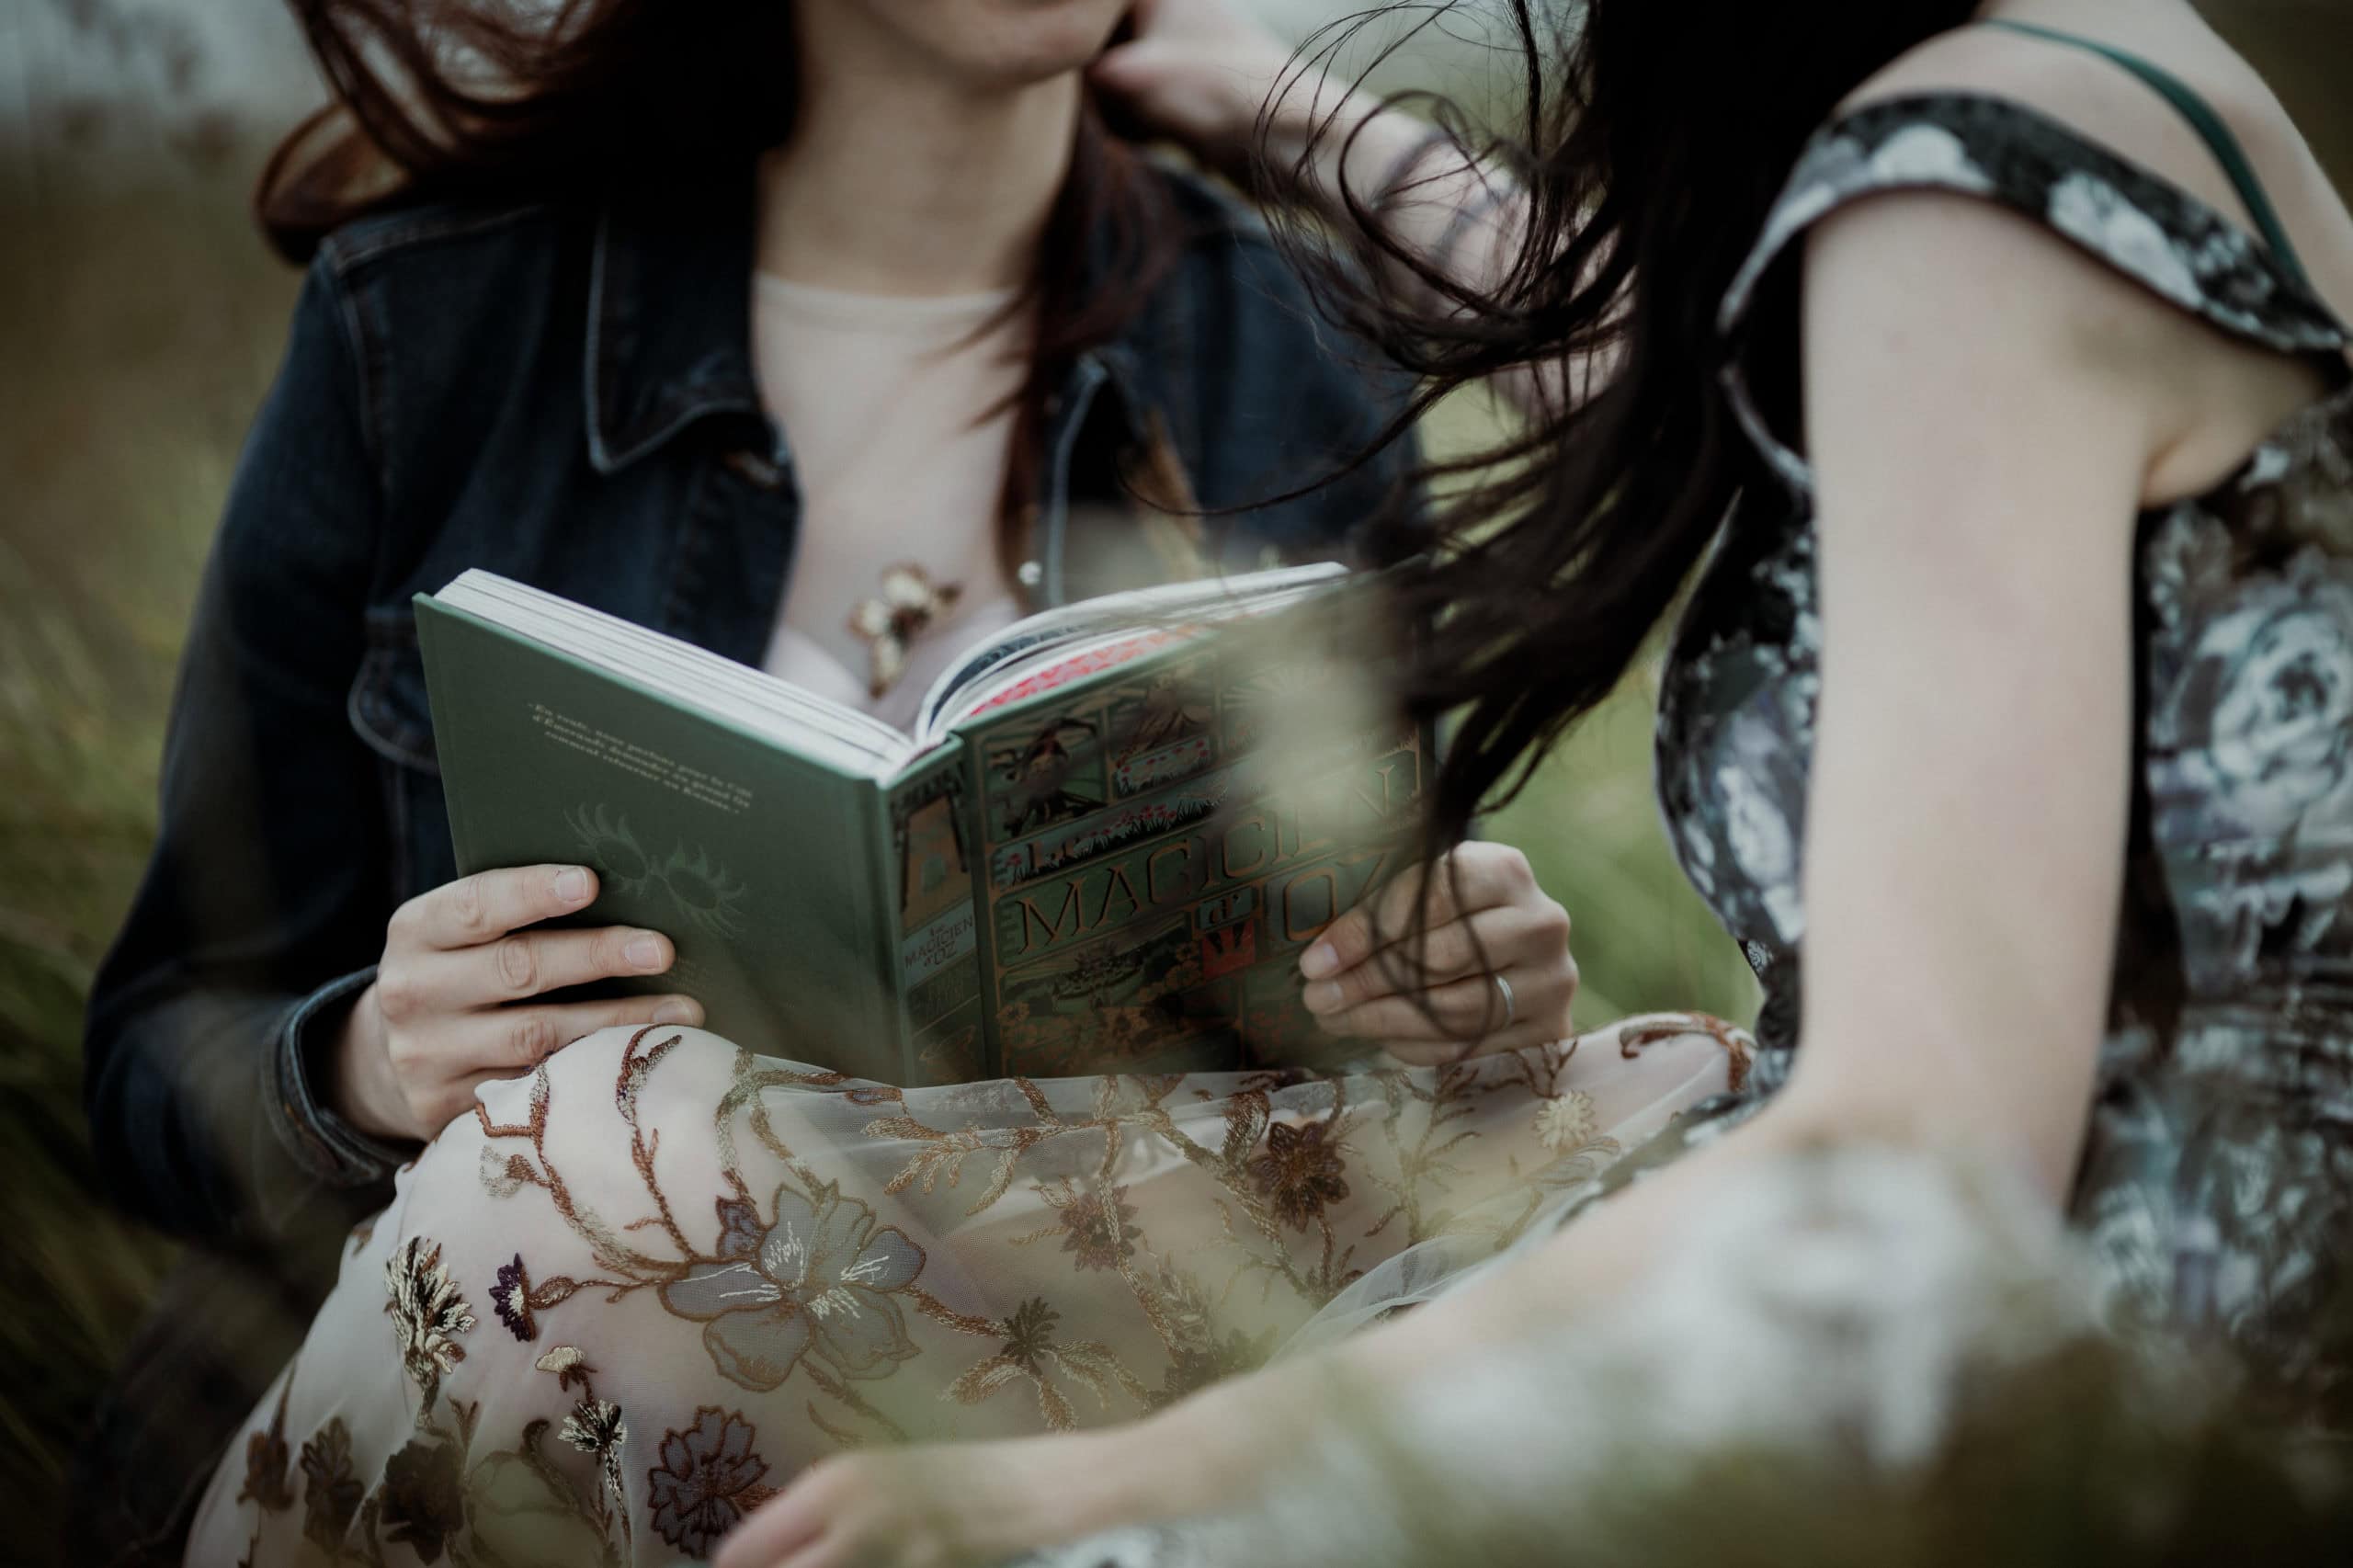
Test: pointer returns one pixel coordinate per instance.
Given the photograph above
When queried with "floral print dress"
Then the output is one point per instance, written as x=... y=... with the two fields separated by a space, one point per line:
x=639 y=1290
x=2216 y=1188
x=2217 y=1184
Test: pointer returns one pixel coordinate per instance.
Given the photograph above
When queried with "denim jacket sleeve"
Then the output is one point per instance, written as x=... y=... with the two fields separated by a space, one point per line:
x=262 y=910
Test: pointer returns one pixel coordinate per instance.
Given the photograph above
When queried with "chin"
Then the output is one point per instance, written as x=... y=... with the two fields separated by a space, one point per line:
x=1020 y=41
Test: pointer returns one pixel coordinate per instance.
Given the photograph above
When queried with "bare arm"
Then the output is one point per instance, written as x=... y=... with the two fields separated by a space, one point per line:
x=1969 y=798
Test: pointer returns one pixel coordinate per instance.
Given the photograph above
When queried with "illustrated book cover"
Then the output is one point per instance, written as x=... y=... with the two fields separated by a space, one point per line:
x=1113 y=828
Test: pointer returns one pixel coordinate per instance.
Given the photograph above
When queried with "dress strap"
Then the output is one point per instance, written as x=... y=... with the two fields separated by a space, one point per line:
x=2209 y=125
x=2117 y=212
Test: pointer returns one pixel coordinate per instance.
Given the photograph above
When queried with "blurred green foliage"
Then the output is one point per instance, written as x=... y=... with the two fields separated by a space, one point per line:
x=141 y=330
x=141 y=326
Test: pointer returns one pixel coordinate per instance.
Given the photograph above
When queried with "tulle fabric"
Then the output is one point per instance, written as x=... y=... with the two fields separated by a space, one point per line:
x=642 y=1289
x=1834 y=1319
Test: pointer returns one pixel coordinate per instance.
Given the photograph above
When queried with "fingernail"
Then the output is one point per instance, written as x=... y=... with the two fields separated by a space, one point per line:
x=677 y=1010
x=1324 y=996
x=1319 y=961
x=572 y=884
x=644 y=951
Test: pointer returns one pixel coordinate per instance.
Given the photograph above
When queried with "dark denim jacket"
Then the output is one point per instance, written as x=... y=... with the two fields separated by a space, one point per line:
x=562 y=393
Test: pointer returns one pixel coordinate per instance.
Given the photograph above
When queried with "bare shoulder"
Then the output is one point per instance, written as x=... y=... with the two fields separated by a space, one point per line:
x=2065 y=78
x=1977 y=310
x=2213 y=395
x=1938 y=270
x=2106 y=104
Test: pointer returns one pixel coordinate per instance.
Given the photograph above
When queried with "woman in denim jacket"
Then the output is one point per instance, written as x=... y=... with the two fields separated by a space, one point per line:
x=651 y=305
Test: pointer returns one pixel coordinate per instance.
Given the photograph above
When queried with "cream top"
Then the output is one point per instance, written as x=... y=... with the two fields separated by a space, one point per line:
x=899 y=450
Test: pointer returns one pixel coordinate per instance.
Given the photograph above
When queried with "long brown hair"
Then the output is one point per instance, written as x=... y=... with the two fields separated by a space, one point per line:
x=442 y=100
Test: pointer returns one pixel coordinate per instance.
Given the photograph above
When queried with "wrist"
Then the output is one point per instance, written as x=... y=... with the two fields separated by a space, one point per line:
x=307 y=1107
x=1225 y=1449
x=351 y=1076
x=1161 y=1469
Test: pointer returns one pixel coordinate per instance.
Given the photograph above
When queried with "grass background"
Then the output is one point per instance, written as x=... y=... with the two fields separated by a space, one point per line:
x=139 y=322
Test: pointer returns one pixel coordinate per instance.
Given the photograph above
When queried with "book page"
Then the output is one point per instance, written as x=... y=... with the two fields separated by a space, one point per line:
x=684 y=672
x=1200 y=599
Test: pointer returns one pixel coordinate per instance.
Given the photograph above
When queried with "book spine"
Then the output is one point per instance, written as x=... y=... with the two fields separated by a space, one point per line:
x=933 y=920
x=972 y=814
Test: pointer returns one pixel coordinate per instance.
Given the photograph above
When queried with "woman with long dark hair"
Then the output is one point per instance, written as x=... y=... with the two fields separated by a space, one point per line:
x=1982 y=371
x=711 y=316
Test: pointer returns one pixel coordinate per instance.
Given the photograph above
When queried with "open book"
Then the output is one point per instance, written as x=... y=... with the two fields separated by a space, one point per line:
x=1095 y=853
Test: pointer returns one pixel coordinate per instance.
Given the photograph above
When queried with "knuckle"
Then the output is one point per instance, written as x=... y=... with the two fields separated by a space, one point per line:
x=406 y=921
x=519 y=964
x=397 y=996
x=531 y=1037
x=469 y=905
x=405 y=1054
x=1351 y=938
x=1552 y=920
x=605 y=952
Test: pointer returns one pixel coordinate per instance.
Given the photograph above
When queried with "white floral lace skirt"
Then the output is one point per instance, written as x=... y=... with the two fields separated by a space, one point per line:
x=641 y=1289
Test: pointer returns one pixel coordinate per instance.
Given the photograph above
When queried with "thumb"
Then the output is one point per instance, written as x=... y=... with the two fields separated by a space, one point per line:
x=1144 y=64
x=1134 y=66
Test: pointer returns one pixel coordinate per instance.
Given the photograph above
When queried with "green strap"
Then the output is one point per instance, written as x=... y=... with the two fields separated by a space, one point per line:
x=2209 y=128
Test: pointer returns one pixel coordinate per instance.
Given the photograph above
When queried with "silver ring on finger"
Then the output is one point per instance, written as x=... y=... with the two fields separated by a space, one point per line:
x=1503 y=989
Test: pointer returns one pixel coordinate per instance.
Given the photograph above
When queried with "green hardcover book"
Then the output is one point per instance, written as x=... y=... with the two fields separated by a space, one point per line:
x=1112 y=830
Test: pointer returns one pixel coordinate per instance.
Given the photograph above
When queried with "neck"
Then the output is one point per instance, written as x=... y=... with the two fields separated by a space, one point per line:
x=895 y=184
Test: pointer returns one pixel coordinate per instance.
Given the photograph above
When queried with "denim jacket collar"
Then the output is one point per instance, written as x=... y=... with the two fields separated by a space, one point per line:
x=669 y=321
x=670 y=327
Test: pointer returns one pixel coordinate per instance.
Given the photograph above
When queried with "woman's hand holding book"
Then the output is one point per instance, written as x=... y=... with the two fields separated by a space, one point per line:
x=1488 y=968
x=459 y=996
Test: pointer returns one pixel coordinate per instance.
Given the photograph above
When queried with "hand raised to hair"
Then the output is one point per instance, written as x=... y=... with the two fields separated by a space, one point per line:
x=1197 y=71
